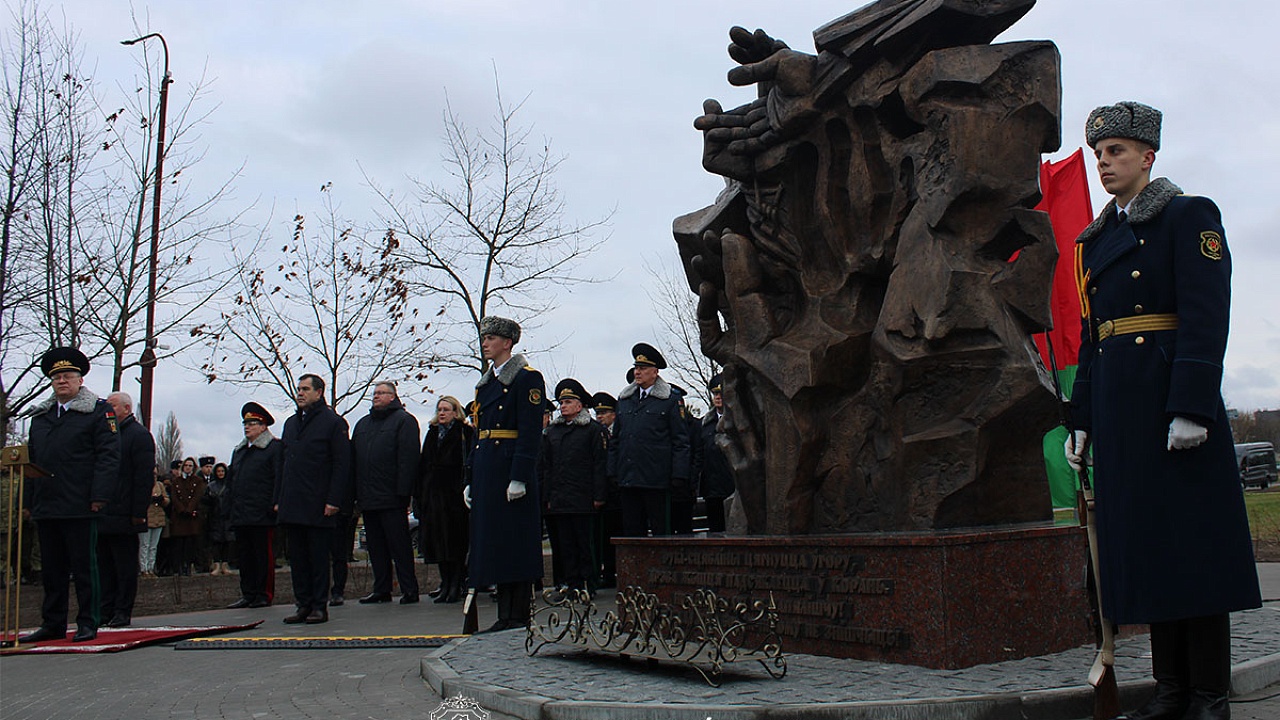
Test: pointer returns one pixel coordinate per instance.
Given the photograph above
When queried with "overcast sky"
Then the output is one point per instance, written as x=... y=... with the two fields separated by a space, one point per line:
x=311 y=92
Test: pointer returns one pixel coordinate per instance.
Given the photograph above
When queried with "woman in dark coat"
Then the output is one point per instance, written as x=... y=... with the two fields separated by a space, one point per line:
x=444 y=519
x=218 y=521
x=186 y=518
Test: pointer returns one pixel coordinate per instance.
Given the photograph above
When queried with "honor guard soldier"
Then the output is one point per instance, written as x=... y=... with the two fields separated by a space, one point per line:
x=1154 y=276
x=74 y=439
x=506 y=525
x=650 y=449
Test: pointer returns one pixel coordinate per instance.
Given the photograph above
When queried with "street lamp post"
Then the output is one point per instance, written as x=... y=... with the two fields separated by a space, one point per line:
x=148 y=361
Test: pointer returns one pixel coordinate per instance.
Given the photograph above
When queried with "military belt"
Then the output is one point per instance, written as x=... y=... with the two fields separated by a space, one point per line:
x=499 y=434
x=1137 y=324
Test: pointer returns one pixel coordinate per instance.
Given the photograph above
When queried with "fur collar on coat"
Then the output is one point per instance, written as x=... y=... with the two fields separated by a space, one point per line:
x=513 y=366
x=261 y=443
x=1144 y=208
x=582 y=418
x=84 y=402
x=661 y=389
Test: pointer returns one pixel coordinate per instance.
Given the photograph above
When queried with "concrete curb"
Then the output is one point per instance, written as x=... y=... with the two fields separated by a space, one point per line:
x=1056 y=704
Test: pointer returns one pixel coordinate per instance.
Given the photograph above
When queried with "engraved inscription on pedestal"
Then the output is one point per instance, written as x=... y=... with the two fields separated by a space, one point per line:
x=818 y=596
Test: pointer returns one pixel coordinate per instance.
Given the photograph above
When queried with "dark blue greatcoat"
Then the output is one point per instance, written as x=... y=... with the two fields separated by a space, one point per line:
x=650 y=449
x=506 y=537
x=1172 y=529
x=317 y=467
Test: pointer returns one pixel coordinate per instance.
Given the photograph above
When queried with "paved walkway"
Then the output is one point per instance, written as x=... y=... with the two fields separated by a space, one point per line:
x=161 y=682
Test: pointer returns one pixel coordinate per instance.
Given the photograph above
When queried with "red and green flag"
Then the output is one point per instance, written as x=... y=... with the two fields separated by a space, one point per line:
x=1064 y=188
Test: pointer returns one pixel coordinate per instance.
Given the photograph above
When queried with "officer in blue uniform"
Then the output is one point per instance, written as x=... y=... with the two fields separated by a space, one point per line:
x=650 y=450
x=506 y=524
x=74 y=439
x=1154 y=276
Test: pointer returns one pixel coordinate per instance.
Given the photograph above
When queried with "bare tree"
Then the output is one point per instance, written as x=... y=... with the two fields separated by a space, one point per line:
x=74 y=249
x=52 y=129
x=493 y=237
x=675 y=307
x=333 y=307
x=168 y=442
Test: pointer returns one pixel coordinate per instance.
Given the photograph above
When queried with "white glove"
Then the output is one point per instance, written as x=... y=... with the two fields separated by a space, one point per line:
x=1077 y=450
x=515 y=490
x=466 y=496
x=1185 y=434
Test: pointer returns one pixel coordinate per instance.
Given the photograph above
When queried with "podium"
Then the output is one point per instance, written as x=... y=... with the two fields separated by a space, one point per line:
x=17 y=467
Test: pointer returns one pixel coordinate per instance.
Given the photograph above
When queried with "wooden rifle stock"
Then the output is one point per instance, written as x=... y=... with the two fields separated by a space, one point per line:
x=1102 y=675
x=470 y=614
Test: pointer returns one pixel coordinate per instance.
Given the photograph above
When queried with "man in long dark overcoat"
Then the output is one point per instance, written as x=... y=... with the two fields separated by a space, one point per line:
x=73 y=439
x=506 y=525
x=314 y=484
x=125 y=515
x=1154 y=276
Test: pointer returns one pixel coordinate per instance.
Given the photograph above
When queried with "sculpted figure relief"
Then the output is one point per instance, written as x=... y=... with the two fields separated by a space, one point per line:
x=873 y=269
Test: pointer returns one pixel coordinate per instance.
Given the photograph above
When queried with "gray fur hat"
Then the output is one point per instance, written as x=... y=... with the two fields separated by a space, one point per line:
x=500 y=326
x=1126 y=119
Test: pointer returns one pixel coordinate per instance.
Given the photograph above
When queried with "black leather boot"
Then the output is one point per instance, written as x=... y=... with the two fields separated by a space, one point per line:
x=446 y=592
x=1168 y=703
x=1206 y=705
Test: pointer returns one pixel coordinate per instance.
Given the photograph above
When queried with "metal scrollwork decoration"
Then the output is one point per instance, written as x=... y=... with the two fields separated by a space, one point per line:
x=701 y=629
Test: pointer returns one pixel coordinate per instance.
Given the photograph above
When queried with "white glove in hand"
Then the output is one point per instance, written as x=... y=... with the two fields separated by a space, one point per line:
x=515 y=490
x=1185 y=434
x=1077 y=450
x=466 y=496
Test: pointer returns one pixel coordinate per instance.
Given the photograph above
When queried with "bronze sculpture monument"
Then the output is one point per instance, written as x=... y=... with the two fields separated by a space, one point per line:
x=872 y=273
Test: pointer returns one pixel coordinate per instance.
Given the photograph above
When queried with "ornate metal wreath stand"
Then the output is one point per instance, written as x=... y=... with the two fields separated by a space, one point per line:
x=705 y=631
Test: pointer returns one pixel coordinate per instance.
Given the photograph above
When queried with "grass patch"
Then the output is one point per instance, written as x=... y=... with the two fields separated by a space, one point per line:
x=1264 y=523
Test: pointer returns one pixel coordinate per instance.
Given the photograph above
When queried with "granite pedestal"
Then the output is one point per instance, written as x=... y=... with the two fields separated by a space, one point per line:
x=941 y=599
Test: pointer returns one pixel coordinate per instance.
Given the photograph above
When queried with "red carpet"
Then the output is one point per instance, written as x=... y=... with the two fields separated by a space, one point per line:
x=117 y=639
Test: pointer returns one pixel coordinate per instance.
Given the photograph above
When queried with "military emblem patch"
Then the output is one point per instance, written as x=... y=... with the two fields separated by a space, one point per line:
x=1211 y=245
x=111 y=421
x=535 y=396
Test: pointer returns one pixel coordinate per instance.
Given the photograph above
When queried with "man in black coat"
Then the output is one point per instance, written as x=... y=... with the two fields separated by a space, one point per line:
x=650 y=451
x=256 y=467
x=384 y=452
x=572 y=468
x=715 y=478
x=73 y=439
x=609 y=519
x=1154 y=276
x=314 y=485
x=125 y=515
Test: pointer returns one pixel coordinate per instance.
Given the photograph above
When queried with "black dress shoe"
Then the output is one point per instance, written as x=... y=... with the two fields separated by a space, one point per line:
x=241 y=603
x=436 y=592
x=408 y=598
x=501 y=625
x=336 y=599
x=317 y=616
x=372 y=598
x=259 y=604
x=42 y=634
x=298 y=617
x=84 y=634
x=119 y=620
